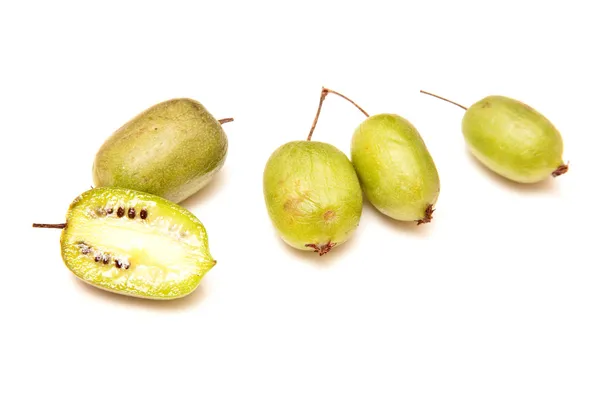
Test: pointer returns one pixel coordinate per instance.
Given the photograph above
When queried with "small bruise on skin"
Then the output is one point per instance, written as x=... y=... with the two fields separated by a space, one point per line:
x=329 y=215
x=291 y=205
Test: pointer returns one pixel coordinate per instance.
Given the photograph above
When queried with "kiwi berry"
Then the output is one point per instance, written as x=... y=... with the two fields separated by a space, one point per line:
x=172 y=149
x=394 y=166
x=512 y=139
x=312 y=194
x=134 y=243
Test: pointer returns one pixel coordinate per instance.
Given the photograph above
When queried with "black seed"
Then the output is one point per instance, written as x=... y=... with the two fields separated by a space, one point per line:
x=120 y=212
x=126 y=266
x=143 y=213
x=109 y=211
x=105 y=259
x=131 y=213
x=97 y=258
x=118 y=264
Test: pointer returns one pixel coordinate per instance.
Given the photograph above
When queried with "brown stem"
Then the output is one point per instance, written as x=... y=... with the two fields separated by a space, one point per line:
x=428 y=215
x=314 y=124
x=321 y=249
x=346 y=98
x=561 y=170
x=324 y=93
x=225 y=120
x=56 y=226
x=442 y=98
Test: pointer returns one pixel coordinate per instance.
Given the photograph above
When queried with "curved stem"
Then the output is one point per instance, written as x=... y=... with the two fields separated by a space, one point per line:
x=55 y=226
x=225 y=120
x=346 y=98
x=324 y=93
x=442 y=98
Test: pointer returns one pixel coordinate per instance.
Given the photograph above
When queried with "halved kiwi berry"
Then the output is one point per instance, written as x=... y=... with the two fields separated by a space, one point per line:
x=134 y=243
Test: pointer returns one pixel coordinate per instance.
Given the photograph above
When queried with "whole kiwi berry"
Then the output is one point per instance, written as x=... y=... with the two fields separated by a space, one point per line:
x=395 y=168
x=172 y=149
x=312 y=195
x=512 y=139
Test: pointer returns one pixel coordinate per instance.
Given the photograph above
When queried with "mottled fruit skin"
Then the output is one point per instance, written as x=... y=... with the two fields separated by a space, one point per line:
x=512 y=139
x=173 y=149
x=135 y=244
x=312 y=195
x=395 y=168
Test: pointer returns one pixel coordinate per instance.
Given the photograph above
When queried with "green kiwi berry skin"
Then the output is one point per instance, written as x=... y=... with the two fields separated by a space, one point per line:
x=396 y=170
x=95 y=212
x=312 y=195
x=173 y=149
x=512 y=139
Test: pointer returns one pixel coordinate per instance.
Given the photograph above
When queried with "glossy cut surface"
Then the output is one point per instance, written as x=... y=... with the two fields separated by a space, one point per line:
x=395 y=168
x=512 y=139
x=312 y=194
x=172 y=149
x=135 y=244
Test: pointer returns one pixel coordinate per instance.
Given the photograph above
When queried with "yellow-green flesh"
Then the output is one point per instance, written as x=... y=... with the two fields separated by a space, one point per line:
x=512 y=139
x=312 y=194
x=166 y=253
x=395 y=168
x=173 y=149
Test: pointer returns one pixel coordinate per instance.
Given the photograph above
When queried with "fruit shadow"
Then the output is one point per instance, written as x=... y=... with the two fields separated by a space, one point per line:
x=410 y=227
x=548 y=185
x=191 y=300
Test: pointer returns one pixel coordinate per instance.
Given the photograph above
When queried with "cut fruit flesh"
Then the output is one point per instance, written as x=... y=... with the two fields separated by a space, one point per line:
x=135 y=243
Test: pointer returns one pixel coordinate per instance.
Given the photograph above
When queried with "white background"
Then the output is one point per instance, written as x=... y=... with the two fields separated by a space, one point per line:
x=497 y=298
